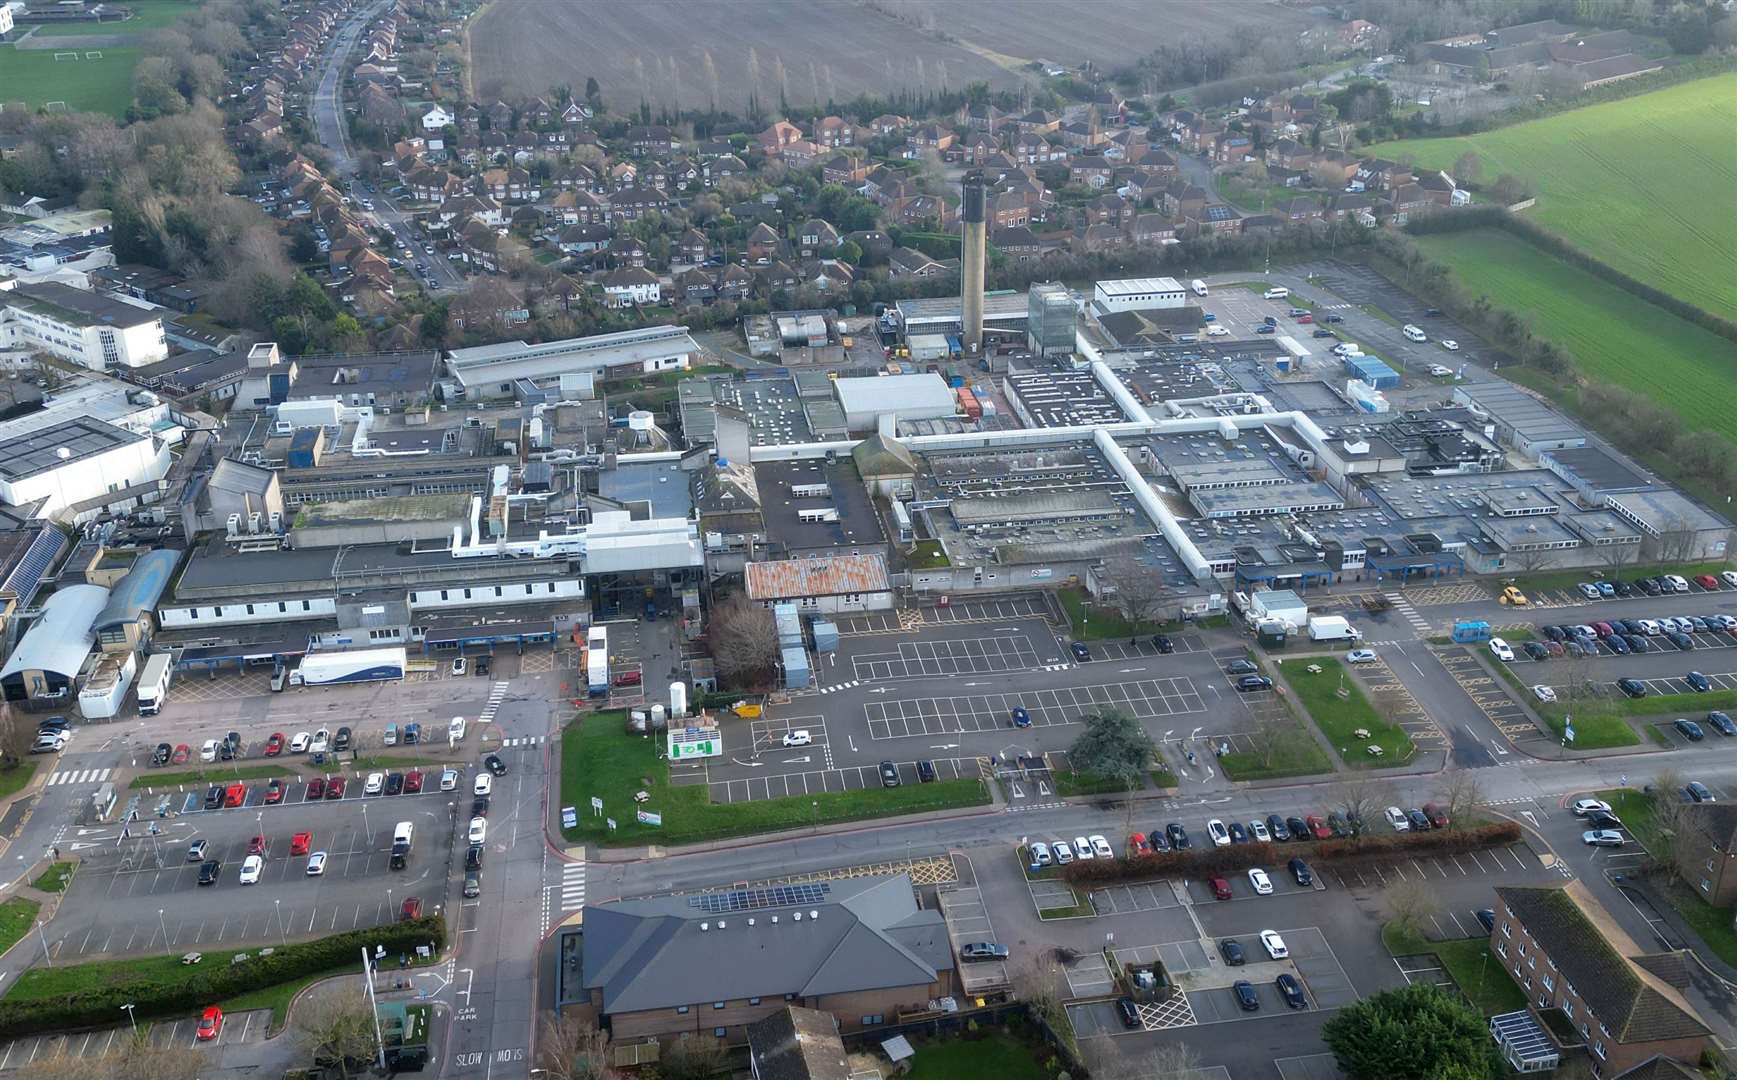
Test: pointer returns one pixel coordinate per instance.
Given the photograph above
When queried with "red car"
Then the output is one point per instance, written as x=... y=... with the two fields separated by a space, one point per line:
x=412 y=909
x=1137 y=845
x=274 y=745
x=1436 y=814
x=274 y=793
x=1708 y=582
x=1220 y=888
x=412 y=782
x=256 y=846
x=235 y=795
x=210 y=1023
x=1305 y=318
x=182 y=753
x=627 y=678
x=300 y=842
x=316 y=788
x=1317 y=827
x=335 y=788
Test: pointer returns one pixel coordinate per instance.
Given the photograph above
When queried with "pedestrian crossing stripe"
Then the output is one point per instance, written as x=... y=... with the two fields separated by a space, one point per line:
x=496 y=696
x=79 y=776
x=572 y=887
x=530 y=740
x=840 y=686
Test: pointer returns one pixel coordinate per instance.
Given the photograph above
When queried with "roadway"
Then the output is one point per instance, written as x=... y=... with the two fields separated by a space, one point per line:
x=327 y=106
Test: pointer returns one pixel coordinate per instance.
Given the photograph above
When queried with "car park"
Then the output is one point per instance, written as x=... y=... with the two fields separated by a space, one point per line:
x=1274 y=944
x=1602 y=838
x=1231 y=950
x=1690 y=730
x=1263 y=885
x=1246 y=996
x=1220 y=835
x=1396 y=818
x=1699 y=792
x=1291 y=990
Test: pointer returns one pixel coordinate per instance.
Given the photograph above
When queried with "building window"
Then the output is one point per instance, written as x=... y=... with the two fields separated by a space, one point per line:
x=681 y=1010
x=218 y=612
x=789 y=997
x=719 y=1032
x=1598 y=1048
x=250 y=609
x=717 y=1004
x=1568 y=1011
x=753 y=1001
x=1706 y=886
x=1502 y=949
x=1507 y=930
x=307 y=605
x=872 y=1019
x=528 y=589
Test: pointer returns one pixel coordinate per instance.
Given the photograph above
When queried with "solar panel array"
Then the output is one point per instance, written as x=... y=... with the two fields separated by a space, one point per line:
x=773 y=896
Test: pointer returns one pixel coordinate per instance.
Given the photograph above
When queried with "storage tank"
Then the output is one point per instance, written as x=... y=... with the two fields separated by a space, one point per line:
x=658 y=717
x=678 y=700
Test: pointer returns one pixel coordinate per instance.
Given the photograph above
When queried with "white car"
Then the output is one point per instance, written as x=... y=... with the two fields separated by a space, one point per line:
x=1730 y=577
x=322 y=741
x=251 y=868
x=1216 y=330
x=1440 y=371
x=1602 y=838
x=1039 y=853
x=1396 y=818
x=316 y=864
x=1583 y=807
x=1220 y=835
x=1274 y=944
x=1263 y=885
x=1063 y=853
x=1450 y=345
x=1258 y=829
x=1101 y=847
x=448 y=779
x=1543 y=693
x=1360 y=656
x=299 y=743
x=208 y=751
x=1502 y=650
x=484 y=784
x=1678 y=582
x=375 y=785
x=460 y=665
x=479 y=830
x=800 y=737
x=1083 y=848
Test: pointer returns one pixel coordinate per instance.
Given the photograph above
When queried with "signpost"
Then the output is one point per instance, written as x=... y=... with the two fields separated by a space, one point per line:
x=646 y=817
x=596 y=806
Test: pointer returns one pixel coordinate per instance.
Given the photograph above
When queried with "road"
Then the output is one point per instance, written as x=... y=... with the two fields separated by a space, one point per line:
x=327 y=107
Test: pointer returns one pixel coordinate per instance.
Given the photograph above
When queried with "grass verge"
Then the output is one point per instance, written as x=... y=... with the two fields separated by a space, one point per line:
x=1714 y=924
x=13 y=778
x=1339 y=718
x=1068 y=782
x=599 y=758
x=217 y=774
x=998 y=1055
x=1596 y=727
x=1295 y=755
x=381 y=761
x=1480 y=976
x=55 y=878
x=927 y=555
x=1080 y=909
x=17 y=915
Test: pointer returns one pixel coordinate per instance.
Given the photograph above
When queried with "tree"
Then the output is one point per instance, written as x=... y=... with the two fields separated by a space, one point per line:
x=1671 y=819
x=569 y=1048
x=1529 y=560
x=1463 y=793
x=692 y=1057
x=1139 y=591
x=1414 y=1032
x=17 y=736
x=1509 y=189
x=1114 y=746
x=337 y=1029
x=744 y=643
x=1361 y=797
x=1034 y=983
x=1468 y=167
x=1617 y=557
x=1409 y=903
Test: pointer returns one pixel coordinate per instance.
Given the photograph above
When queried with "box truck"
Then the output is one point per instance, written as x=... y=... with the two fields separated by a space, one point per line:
x=1198 y=286
x=1331 y=628
x=154 y=683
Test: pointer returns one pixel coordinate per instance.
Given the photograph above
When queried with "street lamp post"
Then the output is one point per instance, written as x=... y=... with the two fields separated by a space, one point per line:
x=44 y=938
x=163 y=926
x=281 y=935
x=135 y=1022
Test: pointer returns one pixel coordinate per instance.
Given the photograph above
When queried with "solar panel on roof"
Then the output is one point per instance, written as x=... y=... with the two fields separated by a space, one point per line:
x=723 y=903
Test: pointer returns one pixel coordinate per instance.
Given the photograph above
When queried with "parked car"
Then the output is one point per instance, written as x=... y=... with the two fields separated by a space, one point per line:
x=925 y=771
x=1220 y=888
x=274 y=744
x=1178 y=835
x=1258 y=829
x=1698 y=682
x=1080 y=651
x=1437 y=814
x=1583 y=807
x=1083 y=848
x=1699 y=792
x=1317 y=827
x=251 y=868
x=1220 y=835
x=1101 y=847
x=1419 y=820
x=1301 y=873
x=1536 y=650
x=982 y=950
x=1238 y=834
x=316 y=789
x=316 y=864
x=1276 y=825
x=1163 y=644
x=1397 y=818
x=889 y=774
x=1360 y=656
x=1274 y=944
x=1254 y=682
x=1241 y=667
x=1299 y=828
x=1487 y=916
x=335 y=788
x=1021 y=718
x=1263 y=885
x=1602 y=838
x=1246 y=996
x=1634 y=688
x=1291 y=990
x=196 y=850
x=1063 y=853
x=1722 y=722
x=1039 y=854
x=210 y=1024
x=1128 y=1011
x=1231 y=950
x=1501 y=650
x=1690 y=730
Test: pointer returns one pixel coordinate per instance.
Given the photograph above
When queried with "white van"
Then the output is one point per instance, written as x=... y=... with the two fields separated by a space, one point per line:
x=1277 y=292
x=455 y=729
x=1413 y=333
x=1198 y=286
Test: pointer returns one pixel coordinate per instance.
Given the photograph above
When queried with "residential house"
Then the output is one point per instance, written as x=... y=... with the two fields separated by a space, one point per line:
x=775 y=138
x=1018 y=243
x=628 y=251
x=1299 y=209
x=1356 y=206
x=436 y=119
x=800 y=154
x=1157 y=163
x=1376 y=174
x=714 y=147
x=1443 y=190
x=1231 y=148
x=834 y=131
x=733 y=283
x=1589 y=983
x=633 y=203
x=692 y=247
x=776 y=275
x=986 y=118
x=631 y=286
x=1404 y=200
x=537 y=112
x=694 y=287
x=977 y=147
x=844 y=169
x=583 y=239
x=575 y=113
x=1707 y=859
x=1335 y=167
x=1091 y=170
x=480 y=245
x=651 y=139
x=875 y=245
x=1108 y=210
x=722 y=168
x=763 y=244
x=1182 y=200
x=589 y=208
x=1035 y=150
x=623 y=175
x=887 y=124
x=1037 y=122
x=921 y=210
x=1215 y=218
x=1097 y=239
x=1005 y=210
x=1152 y=229
x=816 y=238
x=931 y=137
x=826 y=275
x=1289 y=154
x=905 y=262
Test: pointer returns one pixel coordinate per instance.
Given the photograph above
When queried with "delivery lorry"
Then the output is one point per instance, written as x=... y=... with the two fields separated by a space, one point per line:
x=1332 y=628
x=154 y=683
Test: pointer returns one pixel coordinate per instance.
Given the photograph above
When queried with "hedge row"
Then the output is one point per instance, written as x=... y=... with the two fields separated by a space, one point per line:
x=1208 y=862
x=206 y=984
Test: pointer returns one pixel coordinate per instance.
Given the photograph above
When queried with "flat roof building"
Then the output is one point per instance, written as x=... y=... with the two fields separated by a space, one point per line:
x=1133 y=294
x=84 y=327
x=909 y=397
x=491 y=370
x=80 y=459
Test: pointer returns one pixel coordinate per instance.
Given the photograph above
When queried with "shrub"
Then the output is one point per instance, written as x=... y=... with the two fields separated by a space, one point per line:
x=201 y=985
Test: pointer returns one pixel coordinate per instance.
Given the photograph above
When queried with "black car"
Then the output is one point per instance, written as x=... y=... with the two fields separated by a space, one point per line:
x=1554 y=633
x=1634 y=688
x=209 y=870
x=1680 y=640
x=1238 y=834
x=495 y=765
x=1648 y=586
x=1615 y=642
x=1080 y=651
x=473 y=857
x=1276 y=826
x=1637 y=643
x=1536 y=650
x=1623 y=588
x=925 y=771
x=482 y=665
x=233 y=739
x=1632 y=626
x=1246 y=996
x=1323 y=332
x=54 y=724
x=1691 y=730
x=1301 y=872
x=1332 y=318
x=479 y=806
x=1241 y=667
x=1487 y=916
x=341 y=741
x=1254 y=682
x=1231 y=950
x=1298 y=828
x=214 y=797
x=162 y=754
x=1128 y=1011
x=889 y=774
x=1698 y=682
x=225 y=751
x=1419 y=820
x=1178 y=835
x=1722 y=722
x=1158 y=840
x=1338 y=824
x=1163 y=644
x=1598 y=819
x=1291 y=990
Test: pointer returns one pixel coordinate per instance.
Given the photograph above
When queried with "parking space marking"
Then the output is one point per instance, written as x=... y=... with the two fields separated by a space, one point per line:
x=1130 y=899
x=935 y=716
x=848 y=778
x=1392 y=695
x=1142 y=648
x=968 y=656
x=1308 y=1067
x=1089 y=976
x=1487 y=693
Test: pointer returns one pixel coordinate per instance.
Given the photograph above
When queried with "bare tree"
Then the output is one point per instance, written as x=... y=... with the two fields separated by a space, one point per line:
x=1034 y=983
x=744 y=642
x=1410 y=902
x=337 y=1028
x=692 y=1057
x=1138 y=591
x=1173 y=1061
x=17 y=735
x=1468 y=167
x=1617 y=557
x=1361 y=796
x=1671 y=819
x=63 y=1066
x=1528 y=560
x=569 y=1048
x=1463 y=793
x=139 y=1060
x=711 y=73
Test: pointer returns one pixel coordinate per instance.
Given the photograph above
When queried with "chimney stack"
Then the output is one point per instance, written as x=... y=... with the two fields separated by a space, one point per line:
x=971 y=272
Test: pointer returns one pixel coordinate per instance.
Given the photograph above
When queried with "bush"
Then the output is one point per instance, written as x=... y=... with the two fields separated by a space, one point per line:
x=1220 y=861
x=201 y=985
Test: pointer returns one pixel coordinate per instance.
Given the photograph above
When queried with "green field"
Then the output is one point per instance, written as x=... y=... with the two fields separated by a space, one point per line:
x=104 y=85
x=1618 y=338
x=1340 y=719
x=995 y=1055
x=1643 y=184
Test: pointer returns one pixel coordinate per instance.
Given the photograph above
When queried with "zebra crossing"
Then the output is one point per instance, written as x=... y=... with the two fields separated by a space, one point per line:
x=1406 y=610
x=561 y=900
x=496 y=696
x=528 y=740
x=79 y=776
x=840 y=686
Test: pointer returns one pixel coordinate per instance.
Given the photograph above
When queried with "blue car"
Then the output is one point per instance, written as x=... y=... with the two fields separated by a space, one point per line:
x=1606 y=589
x=1021 y=718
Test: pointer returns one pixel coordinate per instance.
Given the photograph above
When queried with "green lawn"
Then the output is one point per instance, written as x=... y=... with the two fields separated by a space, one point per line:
x=1339 y=718
x=55 y=878
x=1686 y=369
x=219 y=773
x=1598 y=724
x=1297 y=755
x=1644 y=183
x=17 y=916
x=599 y=758
x=14 y=777
x=1068 y=782
x=388 y=762
x=1713 y=924
x=1093 y=622
x=997 y=1055
x=96 y=85
x=927 y=555
x=1479 y=974
x=62 y=980
x=148 y=15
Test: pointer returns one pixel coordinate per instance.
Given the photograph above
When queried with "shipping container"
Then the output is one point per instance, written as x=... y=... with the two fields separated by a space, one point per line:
x=359 y=665
x=825 y=636
x=796 y=672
